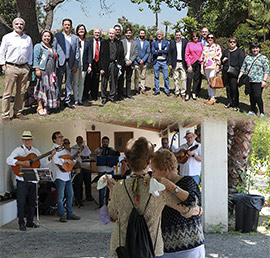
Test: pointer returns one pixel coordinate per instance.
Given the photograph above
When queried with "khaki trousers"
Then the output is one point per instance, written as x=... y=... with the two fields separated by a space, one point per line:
x=180 y=68
x=14 y=76
x=139 y=80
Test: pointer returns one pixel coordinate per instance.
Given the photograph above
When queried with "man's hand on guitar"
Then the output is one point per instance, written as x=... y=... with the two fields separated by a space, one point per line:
x=24 y=163
x=68 y=161
x=190 y=153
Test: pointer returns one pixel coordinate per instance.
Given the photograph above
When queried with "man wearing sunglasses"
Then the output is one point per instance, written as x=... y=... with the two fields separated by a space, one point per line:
x=62 y=179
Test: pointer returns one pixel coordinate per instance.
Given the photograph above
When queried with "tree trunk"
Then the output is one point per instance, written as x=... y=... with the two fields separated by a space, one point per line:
x=49 y=9
x=196 y=7
x=4 y=29
x=27 y=10
x=156 y=13
x=239 y=146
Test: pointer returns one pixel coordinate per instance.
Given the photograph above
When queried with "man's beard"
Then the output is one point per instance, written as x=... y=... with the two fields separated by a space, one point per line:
x=142 y=37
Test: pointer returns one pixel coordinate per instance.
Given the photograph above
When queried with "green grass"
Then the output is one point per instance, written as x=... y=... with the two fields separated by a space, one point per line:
x=157 y=109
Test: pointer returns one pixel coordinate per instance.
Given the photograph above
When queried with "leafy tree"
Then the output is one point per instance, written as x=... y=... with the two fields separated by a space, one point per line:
x=187 y=25
x=244 y=34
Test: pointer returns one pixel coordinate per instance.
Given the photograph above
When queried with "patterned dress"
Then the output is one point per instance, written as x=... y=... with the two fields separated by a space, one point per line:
x=179 y=233
x=46 y=88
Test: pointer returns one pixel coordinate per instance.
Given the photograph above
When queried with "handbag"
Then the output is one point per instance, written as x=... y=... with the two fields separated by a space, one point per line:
x=232 y=70
x=216 y=82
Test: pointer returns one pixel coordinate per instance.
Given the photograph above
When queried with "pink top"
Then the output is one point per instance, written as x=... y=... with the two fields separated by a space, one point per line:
x=193 y=52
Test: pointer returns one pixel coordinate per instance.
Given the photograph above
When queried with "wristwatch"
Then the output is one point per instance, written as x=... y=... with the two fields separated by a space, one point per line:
x=176 y=190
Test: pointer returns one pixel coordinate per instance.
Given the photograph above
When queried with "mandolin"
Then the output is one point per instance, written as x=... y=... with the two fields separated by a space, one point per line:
x=68 y=167
x=33 y=159
x=183 y=159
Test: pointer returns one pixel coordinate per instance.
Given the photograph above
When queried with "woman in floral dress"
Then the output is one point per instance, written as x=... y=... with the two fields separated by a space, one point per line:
x=46 y=90
x=210 y=62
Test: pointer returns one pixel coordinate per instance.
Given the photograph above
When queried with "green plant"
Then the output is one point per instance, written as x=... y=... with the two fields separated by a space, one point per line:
x=219 y=228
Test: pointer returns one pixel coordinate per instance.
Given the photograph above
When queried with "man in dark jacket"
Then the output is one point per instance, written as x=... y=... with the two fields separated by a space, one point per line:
x=176 y=60
x=112 y=60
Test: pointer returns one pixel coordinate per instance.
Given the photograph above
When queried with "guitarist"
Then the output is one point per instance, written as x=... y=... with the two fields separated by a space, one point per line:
x=193 y=165
x=26 y=190
x=62 y=179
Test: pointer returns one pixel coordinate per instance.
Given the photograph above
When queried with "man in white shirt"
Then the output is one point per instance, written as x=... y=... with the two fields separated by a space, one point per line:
x=62 y=180
x=192 y=167
x=85 y=174
x=130 y=53
x=177 y=63
x=68 y=51
x=26 y=190
x=16 y=54
x=104 y=150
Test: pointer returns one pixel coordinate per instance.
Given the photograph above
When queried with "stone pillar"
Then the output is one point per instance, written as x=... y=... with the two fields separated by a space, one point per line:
x=214 y=176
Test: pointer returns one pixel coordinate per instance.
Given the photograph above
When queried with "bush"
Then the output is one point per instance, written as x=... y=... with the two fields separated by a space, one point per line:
x=244 y=35
x=266 y=48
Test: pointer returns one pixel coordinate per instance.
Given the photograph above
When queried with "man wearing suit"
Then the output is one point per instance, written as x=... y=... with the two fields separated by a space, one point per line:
x=92 y=79
x=68 y=50
x=160 y=48
x=141 y=62
x=176 y=60
x=130 y=53
x=111 y=62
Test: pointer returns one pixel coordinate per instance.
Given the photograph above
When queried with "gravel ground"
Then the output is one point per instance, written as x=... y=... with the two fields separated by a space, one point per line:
x=96 y=245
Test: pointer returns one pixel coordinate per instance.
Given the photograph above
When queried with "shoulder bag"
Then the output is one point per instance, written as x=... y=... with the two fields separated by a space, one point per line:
x=232 y=70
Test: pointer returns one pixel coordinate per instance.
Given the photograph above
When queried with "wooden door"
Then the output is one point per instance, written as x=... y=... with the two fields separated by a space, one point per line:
x=93 y=142
x=121 y=139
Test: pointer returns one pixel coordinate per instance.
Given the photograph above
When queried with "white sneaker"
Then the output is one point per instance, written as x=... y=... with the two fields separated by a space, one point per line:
x=262 y=115
x=251 y=113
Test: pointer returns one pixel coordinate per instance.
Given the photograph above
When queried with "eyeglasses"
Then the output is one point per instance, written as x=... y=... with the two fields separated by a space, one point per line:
x=66 y=142
x=232 y=42
x=60 y=137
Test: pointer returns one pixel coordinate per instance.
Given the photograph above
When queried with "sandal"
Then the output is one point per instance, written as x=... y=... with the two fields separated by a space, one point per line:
x=41 y=111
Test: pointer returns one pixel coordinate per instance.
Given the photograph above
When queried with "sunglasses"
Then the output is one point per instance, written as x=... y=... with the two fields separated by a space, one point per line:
x=66 y=142
x=210 y=37
x=232 y=42
x=194 y=36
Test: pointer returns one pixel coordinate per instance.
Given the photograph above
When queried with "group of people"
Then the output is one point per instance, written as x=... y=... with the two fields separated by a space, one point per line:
x=84 y=61
x=180 y=229
x=175 y=230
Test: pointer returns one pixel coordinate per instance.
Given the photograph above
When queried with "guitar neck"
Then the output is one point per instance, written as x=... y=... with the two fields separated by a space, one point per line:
x=75 y=154
x=41 y=156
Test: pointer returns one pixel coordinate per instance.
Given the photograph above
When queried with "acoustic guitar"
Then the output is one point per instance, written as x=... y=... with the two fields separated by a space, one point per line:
x=33 y=159
x=184 y=159
x=68 y=167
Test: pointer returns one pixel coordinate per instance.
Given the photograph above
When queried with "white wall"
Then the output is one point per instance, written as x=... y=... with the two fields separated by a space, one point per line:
x=214 y=175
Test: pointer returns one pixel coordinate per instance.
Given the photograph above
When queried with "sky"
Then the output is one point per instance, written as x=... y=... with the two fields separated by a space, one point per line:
x=91 y=17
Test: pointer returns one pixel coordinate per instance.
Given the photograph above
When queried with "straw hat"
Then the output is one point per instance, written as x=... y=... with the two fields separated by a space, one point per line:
x=27 y=135
x=190 y=132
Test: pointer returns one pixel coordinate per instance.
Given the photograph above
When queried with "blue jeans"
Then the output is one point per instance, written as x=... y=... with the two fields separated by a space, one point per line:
x=163 y=65
x=60 y=73
x=64 y=189
x=102 y=191
x=197 y=179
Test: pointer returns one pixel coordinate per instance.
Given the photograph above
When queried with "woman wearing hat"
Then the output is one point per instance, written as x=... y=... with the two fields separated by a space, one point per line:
x=26 y=189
